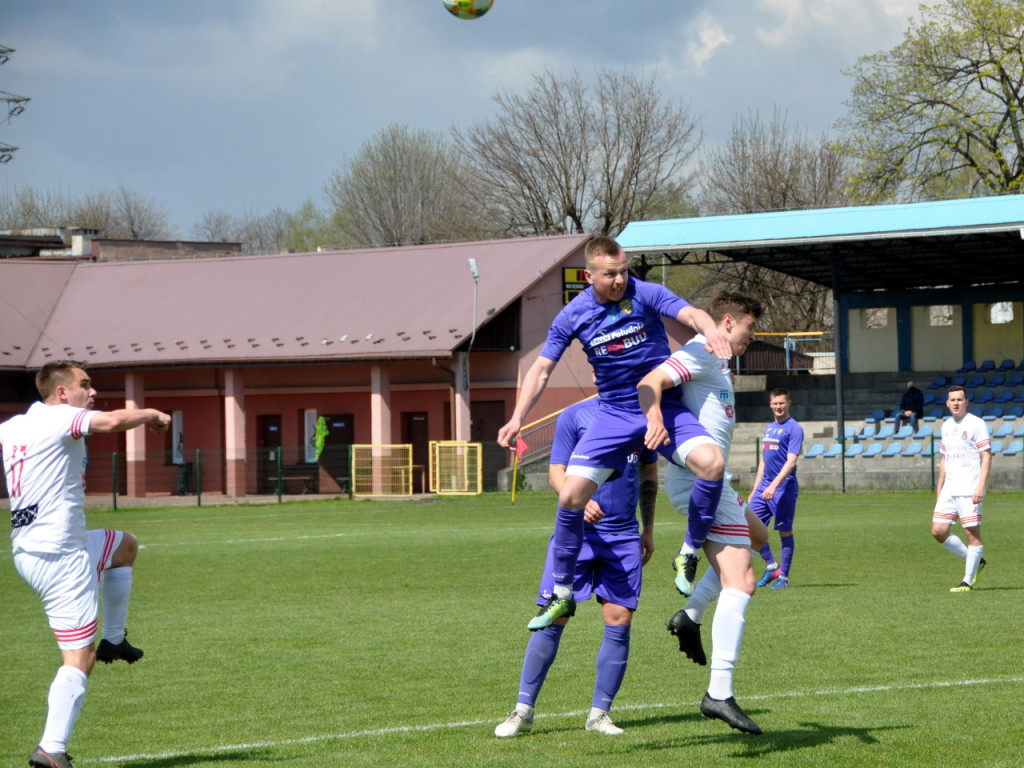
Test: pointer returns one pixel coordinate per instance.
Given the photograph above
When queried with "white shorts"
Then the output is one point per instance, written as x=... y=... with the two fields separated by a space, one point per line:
x=949 y=509
x=730 y=526
x=101 y=544
x=69 y=588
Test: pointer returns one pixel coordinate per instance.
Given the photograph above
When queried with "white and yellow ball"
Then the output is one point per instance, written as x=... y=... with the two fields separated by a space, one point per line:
x=468 y=9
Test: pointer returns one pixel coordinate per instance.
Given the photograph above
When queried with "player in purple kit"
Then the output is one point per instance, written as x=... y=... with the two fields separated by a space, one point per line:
x=776 y=487
x=618 y=321
x=609 y=566
x=44 y=460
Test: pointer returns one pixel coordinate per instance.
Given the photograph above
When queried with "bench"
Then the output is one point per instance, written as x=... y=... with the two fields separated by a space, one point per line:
x=293 y=474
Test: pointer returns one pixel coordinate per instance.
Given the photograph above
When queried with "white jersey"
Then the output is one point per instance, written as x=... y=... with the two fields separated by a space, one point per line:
x=707 y=389
x=44 y=459
x=962 y=444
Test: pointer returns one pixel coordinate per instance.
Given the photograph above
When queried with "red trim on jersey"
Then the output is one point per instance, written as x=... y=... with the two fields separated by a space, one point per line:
x=108 y=547
x=76 y=424
x=731 y=530
x=679 y=368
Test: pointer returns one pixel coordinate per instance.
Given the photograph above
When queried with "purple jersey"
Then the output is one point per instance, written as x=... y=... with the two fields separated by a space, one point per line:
x=618 y=496
x=778 y=441
x=623 y=341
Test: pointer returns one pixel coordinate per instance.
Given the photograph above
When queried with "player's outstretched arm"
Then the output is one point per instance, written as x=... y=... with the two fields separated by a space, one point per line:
x=649 y=393
x=129 y=418
x=533 y=385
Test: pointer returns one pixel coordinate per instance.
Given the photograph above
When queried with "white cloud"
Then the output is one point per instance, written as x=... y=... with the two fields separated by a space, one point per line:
x=706 y=35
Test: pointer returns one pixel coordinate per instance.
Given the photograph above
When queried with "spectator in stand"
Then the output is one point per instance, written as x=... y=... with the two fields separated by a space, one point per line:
x=911 y=407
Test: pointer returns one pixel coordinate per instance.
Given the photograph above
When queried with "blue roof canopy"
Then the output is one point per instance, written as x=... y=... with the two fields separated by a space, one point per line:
x=949 y=242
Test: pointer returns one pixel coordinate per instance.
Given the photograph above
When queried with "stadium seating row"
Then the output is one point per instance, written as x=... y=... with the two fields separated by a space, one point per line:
x=911 y=448
x=1010 y=426
x=969 y=366
x=978 y=380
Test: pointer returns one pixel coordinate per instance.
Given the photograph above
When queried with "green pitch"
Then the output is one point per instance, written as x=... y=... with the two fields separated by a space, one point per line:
x=391 y=634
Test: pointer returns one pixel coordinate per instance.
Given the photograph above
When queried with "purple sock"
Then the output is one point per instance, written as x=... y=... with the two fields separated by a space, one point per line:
x=611 y=664
x=787 y=554
x=701 y=513
x=540 y=653
x=567 y=544
x=766 y=554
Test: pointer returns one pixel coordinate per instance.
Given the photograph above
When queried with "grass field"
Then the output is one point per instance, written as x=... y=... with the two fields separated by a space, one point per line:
x=364 y=633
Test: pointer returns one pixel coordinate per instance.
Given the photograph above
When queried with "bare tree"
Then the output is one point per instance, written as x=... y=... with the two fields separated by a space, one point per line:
x=403 y=186
x=563 y=157
x=257 y=232
x=766 y=166
x=943 y=107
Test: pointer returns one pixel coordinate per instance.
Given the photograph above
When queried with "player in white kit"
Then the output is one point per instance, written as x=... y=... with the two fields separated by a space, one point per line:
x=963 y=472
x=44 y=457
x=707 y=390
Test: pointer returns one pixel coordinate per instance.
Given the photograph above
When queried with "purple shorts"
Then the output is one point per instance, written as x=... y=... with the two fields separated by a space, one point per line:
x=610 y=566
x=782 y=506
x=615 y=433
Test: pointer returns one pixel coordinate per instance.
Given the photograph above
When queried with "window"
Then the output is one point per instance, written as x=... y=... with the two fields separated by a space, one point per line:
x=1000 y=313
x=940 y=315
x=875 y=318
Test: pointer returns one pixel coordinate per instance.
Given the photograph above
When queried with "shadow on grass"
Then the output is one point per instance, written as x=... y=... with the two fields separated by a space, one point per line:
x=200 y=758
x=807 y=736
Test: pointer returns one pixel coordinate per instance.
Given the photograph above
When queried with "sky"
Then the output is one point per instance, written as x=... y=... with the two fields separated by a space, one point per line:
x=245 y=106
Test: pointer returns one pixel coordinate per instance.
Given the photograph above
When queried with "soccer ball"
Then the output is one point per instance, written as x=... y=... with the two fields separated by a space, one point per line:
x=468 y=9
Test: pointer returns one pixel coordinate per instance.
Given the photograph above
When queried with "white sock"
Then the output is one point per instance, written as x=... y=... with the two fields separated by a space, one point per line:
x=596 y=713
x=524 y=709
x=67 y=692
x=117 y=589
x=726 y=640
x=973 y=559
x=563 y=591
x=955 y=546
x=705 y=593
x=687 y=549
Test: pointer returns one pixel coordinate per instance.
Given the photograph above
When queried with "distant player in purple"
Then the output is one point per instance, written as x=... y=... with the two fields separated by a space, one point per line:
x=618 y=321
x=610 y=566
x=776 y=487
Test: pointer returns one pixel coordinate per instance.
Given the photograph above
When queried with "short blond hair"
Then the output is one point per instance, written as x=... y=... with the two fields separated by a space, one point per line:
x=54 y=374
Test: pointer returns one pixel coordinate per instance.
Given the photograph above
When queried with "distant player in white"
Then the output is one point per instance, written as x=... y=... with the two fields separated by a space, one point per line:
x=963 y=472
x=707 y=390
x=44 y=457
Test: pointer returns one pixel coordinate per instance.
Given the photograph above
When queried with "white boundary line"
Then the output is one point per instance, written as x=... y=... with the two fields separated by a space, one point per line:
x=576 y=713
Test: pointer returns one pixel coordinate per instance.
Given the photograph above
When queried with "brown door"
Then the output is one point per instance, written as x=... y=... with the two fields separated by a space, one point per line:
x=335 y=476
x=268 y=447
x=416 y=432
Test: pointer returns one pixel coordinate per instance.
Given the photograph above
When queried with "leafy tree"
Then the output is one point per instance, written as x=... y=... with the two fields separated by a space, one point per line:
x=404 y=187
x=943 y=107
x=563 y=157
x=310 y=228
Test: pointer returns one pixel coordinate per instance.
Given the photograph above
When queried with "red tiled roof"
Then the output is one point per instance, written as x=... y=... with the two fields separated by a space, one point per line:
x=406 y=302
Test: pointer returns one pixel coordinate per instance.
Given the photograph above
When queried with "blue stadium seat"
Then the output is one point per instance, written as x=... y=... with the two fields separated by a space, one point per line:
x=977 y=380
x=1014 y=412
x=1014 y=448
x=986 y=366
x=977 y=410
x=1006 y=365
x=926 y=448
x=929 y=398
x=892 y=449
x=967 y=367
x=985 y=396
x=1015 y=380
x=1003 y=430
x=933 y=414
x=913 y=449
x=814 y=451
x=885 y=433
x=939 y=382
x=995 y=381
x=1019 y=431
x=904 y=432
x=876 y=417
x=958 y=381
x=1020 y=367
x=996 y=447
x=993 y=412
x=833 y=450
x=923 y=430
x=866 y=433
x=1020 y=397
x=874 y=449
x=854 y=450
x=850 y=433
x=1006 y=396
